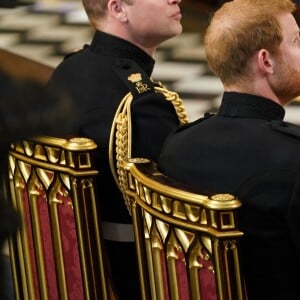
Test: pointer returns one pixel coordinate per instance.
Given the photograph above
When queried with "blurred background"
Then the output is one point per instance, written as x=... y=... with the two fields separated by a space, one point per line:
x=44 y=31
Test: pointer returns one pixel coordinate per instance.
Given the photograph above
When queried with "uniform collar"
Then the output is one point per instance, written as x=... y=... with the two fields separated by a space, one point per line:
x=113 y=46
x=242 y=105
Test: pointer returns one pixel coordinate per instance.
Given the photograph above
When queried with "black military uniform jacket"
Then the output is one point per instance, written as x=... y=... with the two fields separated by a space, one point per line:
x=248 y=150
x=97 y=78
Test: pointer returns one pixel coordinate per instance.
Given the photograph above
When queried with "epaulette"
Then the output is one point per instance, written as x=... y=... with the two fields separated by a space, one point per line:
x=75 y=51
x=134 y=77
x=193 y=123
x=286 y=128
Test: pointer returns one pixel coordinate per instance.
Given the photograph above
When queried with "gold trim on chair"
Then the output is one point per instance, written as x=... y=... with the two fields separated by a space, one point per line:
x=52 y=187
x=183 y=237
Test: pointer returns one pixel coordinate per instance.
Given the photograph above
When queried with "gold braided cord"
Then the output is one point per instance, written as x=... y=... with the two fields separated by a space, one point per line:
x=120 y=140
x=177 y=102
x=121 y=135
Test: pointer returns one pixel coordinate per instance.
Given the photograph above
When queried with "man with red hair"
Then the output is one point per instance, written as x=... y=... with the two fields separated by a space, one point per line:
x=246 y=148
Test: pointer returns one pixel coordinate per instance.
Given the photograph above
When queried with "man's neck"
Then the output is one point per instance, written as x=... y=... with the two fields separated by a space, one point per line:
x=123 y=34
x=255 y=89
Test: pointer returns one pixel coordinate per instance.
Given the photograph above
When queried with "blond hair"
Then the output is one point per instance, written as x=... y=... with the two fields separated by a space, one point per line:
x=239 y=29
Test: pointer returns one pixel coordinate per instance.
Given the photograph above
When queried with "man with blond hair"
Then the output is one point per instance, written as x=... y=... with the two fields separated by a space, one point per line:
x=120 y=60
x=246 y=148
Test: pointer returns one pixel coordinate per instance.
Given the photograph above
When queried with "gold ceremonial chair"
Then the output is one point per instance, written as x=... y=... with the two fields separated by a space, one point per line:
x=187 y=243
x=58 y=253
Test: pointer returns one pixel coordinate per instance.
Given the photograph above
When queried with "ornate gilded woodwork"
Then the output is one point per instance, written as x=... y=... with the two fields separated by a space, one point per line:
x=58 y=252
x=187 y=243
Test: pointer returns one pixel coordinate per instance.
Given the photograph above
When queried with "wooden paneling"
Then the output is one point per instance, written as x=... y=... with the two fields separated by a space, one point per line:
x=23 y=68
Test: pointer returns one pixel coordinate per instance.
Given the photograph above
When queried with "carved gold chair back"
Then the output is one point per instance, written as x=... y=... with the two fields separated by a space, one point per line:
x=58 y=253
x=187 y=243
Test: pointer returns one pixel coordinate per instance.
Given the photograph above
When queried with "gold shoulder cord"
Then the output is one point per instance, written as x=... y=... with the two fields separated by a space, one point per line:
x=121 y=133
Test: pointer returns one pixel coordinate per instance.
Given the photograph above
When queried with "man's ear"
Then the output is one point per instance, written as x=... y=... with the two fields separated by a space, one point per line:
x=265 y=62
x=116 y=8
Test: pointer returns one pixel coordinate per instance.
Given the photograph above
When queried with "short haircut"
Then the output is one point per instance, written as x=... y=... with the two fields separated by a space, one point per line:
x=96 y=9
x=239 y=29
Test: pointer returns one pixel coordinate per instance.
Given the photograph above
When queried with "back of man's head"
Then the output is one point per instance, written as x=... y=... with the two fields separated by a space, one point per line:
x=239 y=29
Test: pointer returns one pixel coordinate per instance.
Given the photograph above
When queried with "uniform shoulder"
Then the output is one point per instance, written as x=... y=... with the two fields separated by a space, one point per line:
x=286 y=128
x=133 y=76
x=76 y=51
x=194 y=123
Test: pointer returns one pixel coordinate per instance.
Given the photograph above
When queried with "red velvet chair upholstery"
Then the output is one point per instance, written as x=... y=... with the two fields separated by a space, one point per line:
x=58 y=253
x=187 y=243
